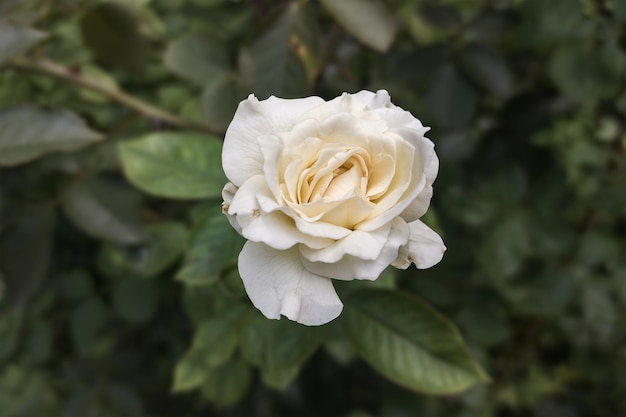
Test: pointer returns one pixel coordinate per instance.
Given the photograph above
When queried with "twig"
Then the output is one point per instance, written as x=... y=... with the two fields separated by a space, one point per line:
x=48 y=67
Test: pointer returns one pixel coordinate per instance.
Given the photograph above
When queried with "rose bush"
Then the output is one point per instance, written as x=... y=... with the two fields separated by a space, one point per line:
x=326 y=190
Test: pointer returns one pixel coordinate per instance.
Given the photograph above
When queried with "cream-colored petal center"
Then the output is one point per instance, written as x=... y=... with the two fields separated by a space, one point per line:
x=353 y=174
x=334 y=173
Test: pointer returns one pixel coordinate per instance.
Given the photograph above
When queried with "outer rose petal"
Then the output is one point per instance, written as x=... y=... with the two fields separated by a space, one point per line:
x=275 y=228
x=363 y=245
x=396 y=117
x=419 y=206
x=351 y=267
x=228 y=192
x=357 y=104
x=425 y=248
x=277 y=283
x=241 y=156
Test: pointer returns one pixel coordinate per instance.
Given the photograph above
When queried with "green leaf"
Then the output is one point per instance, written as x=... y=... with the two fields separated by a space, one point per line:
x=26 y=391
x=97 y=158
x=619 y=283
x=26 y=249
x=544 y=24
x=279 y=348
x=15 y=40
x=86 y=322
x=104 y=209
x=123 y=400
x=337 y=344
x=213 y=343
x=27 y=133
x=227 y=383
x=76 y=284
x=450 y=98
x=190 y=372
x=113 y=262
x=216 y=340
x=38 y=344
x=409 y=343
x=276 y=62
x=619 y=9
x=219 y=101
x=588 y=73
x=488 y=69
x=164 y=243
x=10 y=327
x=197 y=57
x=214 y=245
x=111 y=31
x=367 y=20
x=504 y=250
x=174 y=165
x=598 y=303
x=198 y=302
x=232 y=284
x=279 y=377
x=135 y=300
x=484 y=323
x=551 y=293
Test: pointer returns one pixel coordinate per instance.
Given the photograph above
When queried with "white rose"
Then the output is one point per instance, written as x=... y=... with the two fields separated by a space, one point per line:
x=326 y=190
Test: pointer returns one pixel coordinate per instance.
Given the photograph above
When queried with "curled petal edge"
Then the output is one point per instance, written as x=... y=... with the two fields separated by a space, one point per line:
x=425 y=248
x=278 y=284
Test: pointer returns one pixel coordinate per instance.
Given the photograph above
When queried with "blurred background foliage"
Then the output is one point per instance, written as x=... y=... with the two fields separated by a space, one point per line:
x=117 y=303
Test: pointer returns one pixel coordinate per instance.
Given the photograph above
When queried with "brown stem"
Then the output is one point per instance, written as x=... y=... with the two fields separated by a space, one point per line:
x=48 y=67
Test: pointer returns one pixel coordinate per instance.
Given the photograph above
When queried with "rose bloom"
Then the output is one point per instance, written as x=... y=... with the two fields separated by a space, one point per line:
x=326 y=190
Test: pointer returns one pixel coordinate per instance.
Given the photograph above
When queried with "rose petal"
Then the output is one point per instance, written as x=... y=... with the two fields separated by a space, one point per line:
x=245 y=204
x=228 y=193
x=274 y=227
x=363 y=245
x=425 y=248
x=296 y=161
x=319 y=228
x=398 y=118
x=360 y=104
x=423 y=154
x=271 y=147
x=351 y=211
x=403 y=188
x=348 y=128
x=353 y=267
x=241 y=156
x=277 y=283
x=316 y=229
x=370 y=100
x=278 y=230
x=419 y=206
x=432 y=167
x=381 y=177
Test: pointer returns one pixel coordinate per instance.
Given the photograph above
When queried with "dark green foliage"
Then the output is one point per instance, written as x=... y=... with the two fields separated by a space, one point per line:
x=119 y=292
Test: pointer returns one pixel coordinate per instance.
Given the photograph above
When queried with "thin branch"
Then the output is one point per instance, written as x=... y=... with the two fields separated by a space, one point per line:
x=48 y=67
